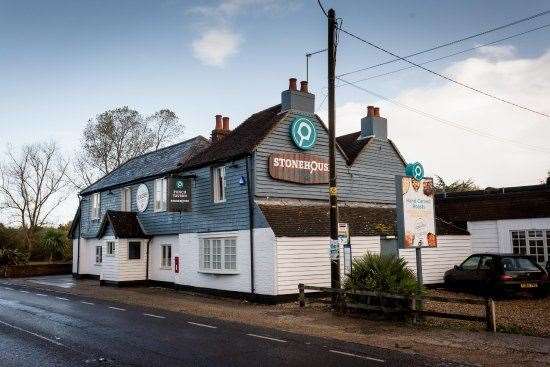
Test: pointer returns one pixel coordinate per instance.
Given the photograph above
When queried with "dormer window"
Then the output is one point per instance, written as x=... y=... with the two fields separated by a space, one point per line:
x=218 y=184
x=160 y=194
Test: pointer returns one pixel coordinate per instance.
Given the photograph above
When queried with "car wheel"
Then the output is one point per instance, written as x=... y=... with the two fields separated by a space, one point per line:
x=449 y=284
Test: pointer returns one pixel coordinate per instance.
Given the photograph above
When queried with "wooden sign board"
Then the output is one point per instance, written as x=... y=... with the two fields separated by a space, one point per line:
x=179 y=194
x=299 y=168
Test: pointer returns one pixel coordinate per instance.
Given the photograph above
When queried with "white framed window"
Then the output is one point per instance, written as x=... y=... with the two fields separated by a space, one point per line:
x=98 y=255
x=218 y=255
x=166 y=259
x=126 y=199
x=532 y=242
x=96 y=205
x=218 y=184
x=111 y=247
x=160 y=194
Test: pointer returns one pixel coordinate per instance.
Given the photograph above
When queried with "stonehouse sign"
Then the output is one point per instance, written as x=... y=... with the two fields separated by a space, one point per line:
x=303 y=133
x=298 y=167
x=142 y=197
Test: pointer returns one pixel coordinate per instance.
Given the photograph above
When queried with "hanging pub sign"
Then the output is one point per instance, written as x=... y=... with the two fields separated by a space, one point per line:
x=179 y=194
x=415 y=212
x=298 y=167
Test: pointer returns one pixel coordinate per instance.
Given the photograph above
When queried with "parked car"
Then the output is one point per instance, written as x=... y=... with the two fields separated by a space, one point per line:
x=499 y=274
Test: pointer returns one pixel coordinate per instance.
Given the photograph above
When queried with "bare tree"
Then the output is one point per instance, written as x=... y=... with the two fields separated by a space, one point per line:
x=115 y=136
x=165 y=126
x=456 y=186
x=33 y=185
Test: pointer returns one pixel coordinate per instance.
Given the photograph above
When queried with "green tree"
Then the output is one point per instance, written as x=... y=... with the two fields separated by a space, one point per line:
x=54 y=242
x=456 y=186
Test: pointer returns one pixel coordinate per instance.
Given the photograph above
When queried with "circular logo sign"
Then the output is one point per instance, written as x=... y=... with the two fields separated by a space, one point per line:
x=415 y=170
x=179 y=184
x=303 y=133
x=142 y=197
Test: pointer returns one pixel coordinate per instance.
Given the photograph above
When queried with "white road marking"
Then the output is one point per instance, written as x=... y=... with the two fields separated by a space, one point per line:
x=31 y=333
x=41 y=295
x=87 y=303
x=202 y=325
x=156 y=316
x=116 y=308
x=8 y=288
x=24 y=291
x=267 y=337
x=357 y=356
x=62 y=298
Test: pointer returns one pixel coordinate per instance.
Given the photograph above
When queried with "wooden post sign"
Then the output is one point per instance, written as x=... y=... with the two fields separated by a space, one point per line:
x=179 y=194
x=298 y=167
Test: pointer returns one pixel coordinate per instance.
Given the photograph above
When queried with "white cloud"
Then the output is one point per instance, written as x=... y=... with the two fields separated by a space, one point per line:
x=497 y=52
x=454 y=153
x=215 y=46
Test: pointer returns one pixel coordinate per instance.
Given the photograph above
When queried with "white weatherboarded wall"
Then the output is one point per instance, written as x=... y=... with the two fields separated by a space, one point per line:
x=87 y=257
x=156 y=271
x=239 y=280
x=484 y=236
x=306 y=260
x=450 y=251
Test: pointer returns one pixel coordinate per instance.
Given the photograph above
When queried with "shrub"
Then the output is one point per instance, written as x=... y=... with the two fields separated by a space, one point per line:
x=54 y=242
x=382 y=274
x=9 y=256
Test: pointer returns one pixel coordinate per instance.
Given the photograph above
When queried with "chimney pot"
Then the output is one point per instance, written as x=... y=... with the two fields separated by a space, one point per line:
x=377 y=111
x=292 y=84
x=219 y=125
x=226 y=123
x=303 y=86
x=370 y=111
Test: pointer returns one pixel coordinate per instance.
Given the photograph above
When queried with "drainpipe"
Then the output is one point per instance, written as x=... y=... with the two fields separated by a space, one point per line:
x=147 y=261
x=78 y=241
x=251 y=221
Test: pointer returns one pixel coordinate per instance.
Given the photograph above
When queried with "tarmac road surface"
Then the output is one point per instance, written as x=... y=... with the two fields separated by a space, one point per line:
x=44 y=328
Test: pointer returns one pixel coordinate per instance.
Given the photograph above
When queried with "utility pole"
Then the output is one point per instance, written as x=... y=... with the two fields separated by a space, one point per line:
x=334 y=247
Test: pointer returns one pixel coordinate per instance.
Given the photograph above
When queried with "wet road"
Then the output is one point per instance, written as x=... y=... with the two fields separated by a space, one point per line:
x=39 y=328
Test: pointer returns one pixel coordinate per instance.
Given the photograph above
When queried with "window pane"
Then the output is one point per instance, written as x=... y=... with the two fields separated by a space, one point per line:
x=471 y=263
x=134 y=250
x=216 y=254
x=230 y=256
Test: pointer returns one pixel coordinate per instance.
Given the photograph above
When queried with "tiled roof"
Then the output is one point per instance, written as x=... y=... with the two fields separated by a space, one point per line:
x=313 y=220
x=150 y=164
x=494 y=204
x=351 y=145
x=124 y=224
x=242 y=140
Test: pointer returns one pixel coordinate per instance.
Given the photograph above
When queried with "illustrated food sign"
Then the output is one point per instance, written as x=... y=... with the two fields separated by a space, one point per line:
x=303 y=133
x=142 y=197
x=298 y=167
x=343 y=233
x=179 y=194
x=415 y=212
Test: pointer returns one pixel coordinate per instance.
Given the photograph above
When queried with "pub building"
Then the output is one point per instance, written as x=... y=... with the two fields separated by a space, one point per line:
x=245 y=212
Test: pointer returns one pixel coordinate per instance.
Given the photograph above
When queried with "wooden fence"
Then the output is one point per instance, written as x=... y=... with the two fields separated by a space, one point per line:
x=414 y=304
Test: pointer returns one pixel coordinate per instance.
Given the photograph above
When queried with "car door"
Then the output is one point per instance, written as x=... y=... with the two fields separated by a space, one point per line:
x=466 y=275
x=486 y=273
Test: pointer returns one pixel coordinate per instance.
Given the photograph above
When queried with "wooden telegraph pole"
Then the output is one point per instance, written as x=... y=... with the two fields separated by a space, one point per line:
x=334 y=247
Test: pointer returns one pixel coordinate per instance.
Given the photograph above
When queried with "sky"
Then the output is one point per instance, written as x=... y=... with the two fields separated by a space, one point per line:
x=64 y=62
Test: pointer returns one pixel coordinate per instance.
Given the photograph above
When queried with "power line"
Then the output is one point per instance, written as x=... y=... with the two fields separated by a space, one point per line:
x=449 y=122
x=449 y=43
x=444 y=76
x=322 y=8
x=453 y=54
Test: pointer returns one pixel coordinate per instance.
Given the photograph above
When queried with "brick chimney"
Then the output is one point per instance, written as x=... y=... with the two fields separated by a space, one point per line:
x=299 y=100
x=221 y=130
x=374 y=126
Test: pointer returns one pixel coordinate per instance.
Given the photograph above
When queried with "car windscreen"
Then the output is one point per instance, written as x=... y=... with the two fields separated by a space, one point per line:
x=519 y=264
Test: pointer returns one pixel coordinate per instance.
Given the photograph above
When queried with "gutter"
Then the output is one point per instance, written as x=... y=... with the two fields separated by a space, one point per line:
x=251 y=221
x=147 y=260
x=79 y=235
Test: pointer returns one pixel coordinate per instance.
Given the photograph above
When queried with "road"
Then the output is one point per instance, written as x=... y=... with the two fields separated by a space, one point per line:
x=45 y=328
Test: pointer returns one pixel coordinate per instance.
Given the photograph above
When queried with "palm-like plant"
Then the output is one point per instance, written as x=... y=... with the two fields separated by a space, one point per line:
x=54 y=242
x=382 y=274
